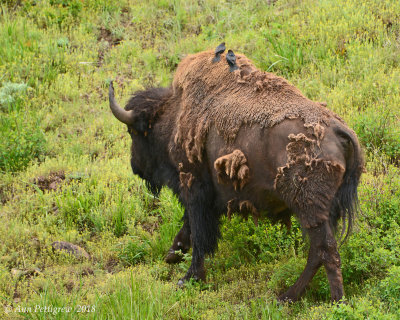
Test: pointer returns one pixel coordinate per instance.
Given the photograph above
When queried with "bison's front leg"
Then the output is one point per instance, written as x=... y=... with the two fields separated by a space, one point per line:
x=323 y=251
x=181 y=242
x=204 y=226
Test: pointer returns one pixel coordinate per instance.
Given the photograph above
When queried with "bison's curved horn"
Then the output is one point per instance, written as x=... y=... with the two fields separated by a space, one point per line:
x=121 y=114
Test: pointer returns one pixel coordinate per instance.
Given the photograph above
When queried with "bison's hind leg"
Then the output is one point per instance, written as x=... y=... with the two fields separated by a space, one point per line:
x=323 y=251
x=309 y=188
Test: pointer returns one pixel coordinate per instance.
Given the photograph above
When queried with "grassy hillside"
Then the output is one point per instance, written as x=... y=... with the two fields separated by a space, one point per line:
x=64 y=159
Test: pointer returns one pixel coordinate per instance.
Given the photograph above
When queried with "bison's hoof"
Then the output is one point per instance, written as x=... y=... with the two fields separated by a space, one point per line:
x=186 y=278
x=173 y=256
x=286 y=298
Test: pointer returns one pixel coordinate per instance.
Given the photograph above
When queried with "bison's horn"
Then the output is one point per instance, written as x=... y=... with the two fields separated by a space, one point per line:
x=121 y=114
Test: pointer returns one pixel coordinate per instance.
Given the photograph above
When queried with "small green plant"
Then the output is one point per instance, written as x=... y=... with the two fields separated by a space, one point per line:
x=11 y=95
x=74 y=6
x=119 y=221
x=133 y=252
x=21 y=141
x=63 y=42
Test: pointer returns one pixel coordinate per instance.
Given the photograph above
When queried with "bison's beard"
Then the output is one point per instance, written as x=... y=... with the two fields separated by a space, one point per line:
x=153 y=187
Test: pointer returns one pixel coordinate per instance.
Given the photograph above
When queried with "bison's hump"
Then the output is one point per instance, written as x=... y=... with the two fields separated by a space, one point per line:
x=212 y=95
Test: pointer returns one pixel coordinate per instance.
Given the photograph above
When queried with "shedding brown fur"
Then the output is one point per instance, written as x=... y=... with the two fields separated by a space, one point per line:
x=210 y=94
x=230 y=208
x=306 y=181
x=186 y=179
x=248 y=209
x=233 y=168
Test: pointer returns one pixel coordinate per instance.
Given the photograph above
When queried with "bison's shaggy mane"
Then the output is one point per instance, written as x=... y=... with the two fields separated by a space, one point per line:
x=147 y=106
x=210 y=93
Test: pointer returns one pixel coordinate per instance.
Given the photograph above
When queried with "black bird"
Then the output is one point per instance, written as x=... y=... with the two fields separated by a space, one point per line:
x=231 y=59
x=218 y=51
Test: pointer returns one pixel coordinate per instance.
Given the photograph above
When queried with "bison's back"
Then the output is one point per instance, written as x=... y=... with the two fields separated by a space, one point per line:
x=211 y=95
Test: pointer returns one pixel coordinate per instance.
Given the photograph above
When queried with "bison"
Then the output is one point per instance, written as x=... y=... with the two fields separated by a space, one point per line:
x=242 y=140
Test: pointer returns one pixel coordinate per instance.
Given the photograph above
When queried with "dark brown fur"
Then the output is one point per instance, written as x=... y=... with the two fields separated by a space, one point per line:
x=246 y=141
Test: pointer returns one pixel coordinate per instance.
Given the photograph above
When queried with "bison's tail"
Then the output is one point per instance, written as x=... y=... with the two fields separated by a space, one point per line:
x=345 y=203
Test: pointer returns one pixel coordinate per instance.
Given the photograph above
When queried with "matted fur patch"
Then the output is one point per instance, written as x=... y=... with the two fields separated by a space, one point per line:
x=233 y=168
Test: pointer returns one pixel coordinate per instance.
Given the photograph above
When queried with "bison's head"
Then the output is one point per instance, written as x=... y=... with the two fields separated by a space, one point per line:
x=137 y=119
x=140 y=115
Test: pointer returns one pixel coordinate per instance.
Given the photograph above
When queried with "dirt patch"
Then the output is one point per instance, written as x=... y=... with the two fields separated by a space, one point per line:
x=87 y=271
x=20 y=275
x=29 y=273
x=3 y=195
x=106 y=36
x=110 y=265
x=150 y=227
x=153 y=205
x=69 y=285
x=51 y=182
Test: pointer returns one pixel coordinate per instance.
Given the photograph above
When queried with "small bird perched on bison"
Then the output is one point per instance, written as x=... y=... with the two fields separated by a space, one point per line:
x=246 y=141
x=231 y=59
x=218 y=51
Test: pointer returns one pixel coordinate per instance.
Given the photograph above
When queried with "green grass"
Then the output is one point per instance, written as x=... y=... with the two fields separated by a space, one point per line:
x=56 y=59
